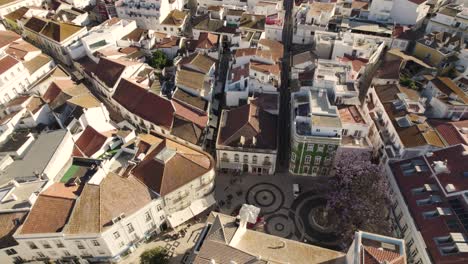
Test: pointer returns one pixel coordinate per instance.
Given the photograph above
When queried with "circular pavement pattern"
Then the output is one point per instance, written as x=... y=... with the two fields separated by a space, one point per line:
x=280 y=225
x=306 y=226
x=266 y=196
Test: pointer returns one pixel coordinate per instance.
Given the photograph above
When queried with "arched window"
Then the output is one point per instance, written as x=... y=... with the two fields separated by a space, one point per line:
x=246 y=159
x=266 y=160
x=236 y=158
x=254 y=159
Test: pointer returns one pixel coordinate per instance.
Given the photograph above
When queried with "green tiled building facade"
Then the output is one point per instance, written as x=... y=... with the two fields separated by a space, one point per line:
x=312 y=158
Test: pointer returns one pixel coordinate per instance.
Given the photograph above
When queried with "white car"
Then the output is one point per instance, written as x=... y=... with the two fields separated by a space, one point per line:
x=296 y=190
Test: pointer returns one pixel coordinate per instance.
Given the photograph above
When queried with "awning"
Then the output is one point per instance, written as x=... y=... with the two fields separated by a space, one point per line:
x=196 y=207
x=201 y=205
x=179 y=217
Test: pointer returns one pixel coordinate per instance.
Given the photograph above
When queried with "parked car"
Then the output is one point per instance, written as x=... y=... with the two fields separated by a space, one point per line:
x=296 y=190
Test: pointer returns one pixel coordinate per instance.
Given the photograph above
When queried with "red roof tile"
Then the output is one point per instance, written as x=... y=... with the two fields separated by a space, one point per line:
x=248 y=121
x=52 y=92
x=200 y=120
x=6 y=63
x=408 y=179
x=48 y=215
x=7 y=37
x=110 y=70
x=450 y=131
x=184 y=166
x=144 y=103
x=90 y=141
x=375 y=255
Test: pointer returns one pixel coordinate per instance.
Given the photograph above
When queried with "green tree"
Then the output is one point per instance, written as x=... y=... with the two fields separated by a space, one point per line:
x=157 y=255
x=159 y=60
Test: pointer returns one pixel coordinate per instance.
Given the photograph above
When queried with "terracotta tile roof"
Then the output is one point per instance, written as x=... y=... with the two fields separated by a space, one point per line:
x=109 y=70
x=414 y=135
x=204 y=41
x=145 y=104
x=8 y=117
x=317 y=8
x=169 y=42
x=135 y=35
x=359 y=5
x=450 y=131
x=350 y=114
x=224 y=254
x=186 y=130
x=55 y=88
x=61 y=191
x=356 y=63
x=267 y=101
x=200 y=119
x=190 y=79
x=248 y=121
x=16 y=53
x=387 y=93
x=303 y=57
x=184 y=166
x=129 y=50
x=257 y=247
x=20 y=48
x=8 y=227
x=6 y=63
x=36 y=63
x=389 y=70
x=239 y=72
x=200 y=63
x=174 y=18
x=60 y=31
x=206 y=23
x=190 y=100
x=266 y=68
x=245 y=52
x=408 y=179
x=7 y=37
x=35 y=24
x=374 y=255
x=48 y=215
x=99 y=204
x=17 y=14
x=18 y=100
x=35 y=104
x=90 y=142
x=418 y=133
x=84 y=218
x=86 y=101
x=268 y=48
x=111 y=21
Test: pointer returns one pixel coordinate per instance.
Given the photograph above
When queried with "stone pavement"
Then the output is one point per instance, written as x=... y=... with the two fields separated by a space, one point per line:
x=282 y=215
x=179 y=249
